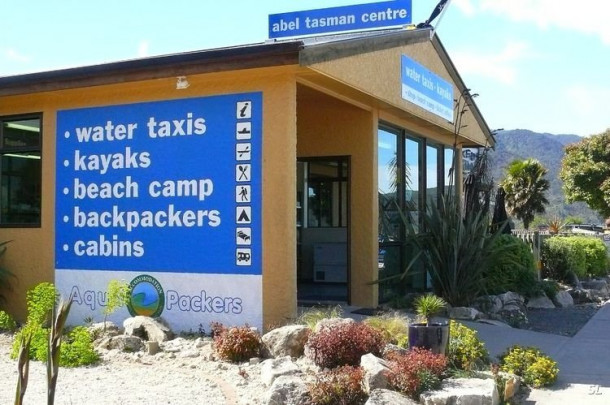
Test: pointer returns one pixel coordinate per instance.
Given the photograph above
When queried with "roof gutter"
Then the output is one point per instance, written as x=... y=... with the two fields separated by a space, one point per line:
x=205 y=61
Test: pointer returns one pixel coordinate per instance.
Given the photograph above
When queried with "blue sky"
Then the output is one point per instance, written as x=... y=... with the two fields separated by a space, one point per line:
x=536 y=64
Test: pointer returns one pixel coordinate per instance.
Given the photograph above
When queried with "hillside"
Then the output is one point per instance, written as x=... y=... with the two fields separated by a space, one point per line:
x=549 y=150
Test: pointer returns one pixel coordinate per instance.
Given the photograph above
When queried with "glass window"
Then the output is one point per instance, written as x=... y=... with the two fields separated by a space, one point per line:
x=411 y=171
x=432 y=173
x=449 y=173
x=20 y=158
x=327 y=193
x=388 y=184
x=412 y=195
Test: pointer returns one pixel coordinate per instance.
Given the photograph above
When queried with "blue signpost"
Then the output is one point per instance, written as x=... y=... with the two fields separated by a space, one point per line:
x=426 y=89
x=334 y=19
x=148 y=190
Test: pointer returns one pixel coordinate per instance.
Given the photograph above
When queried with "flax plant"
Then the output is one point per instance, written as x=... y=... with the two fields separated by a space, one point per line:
x=23 y=366
x=60 y=314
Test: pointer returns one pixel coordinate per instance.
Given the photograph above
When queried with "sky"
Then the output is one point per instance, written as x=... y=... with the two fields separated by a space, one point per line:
x=542 y=65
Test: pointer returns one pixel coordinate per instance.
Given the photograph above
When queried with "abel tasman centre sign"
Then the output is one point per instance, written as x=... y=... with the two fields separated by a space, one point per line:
x=166 y=196
x=335 y=19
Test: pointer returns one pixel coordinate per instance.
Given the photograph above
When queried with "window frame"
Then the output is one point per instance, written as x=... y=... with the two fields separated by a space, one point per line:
x=423 y=143
x=6 y=150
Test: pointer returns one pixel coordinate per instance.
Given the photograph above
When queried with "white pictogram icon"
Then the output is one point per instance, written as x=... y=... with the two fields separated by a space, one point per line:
x=243 y=215
x=243 y=236
x=242 y=172
x=244 y=110
x=243 y=151
x=243 y=130
x=243 y=257
x=242 y=194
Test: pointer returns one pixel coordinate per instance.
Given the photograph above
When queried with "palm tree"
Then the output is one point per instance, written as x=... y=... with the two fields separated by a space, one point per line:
x=525 y=188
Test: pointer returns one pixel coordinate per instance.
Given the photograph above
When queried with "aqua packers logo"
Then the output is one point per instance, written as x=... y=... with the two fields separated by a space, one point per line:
x=146 y=296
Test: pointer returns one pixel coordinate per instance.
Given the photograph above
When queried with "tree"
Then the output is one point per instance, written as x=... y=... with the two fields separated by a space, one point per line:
x=526 y=189
x=585 y=172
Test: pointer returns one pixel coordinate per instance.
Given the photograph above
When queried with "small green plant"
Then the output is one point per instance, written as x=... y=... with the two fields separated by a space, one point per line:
x=117 y=296
x=416 y=371
x=466 y=350
x=536 y=368
x=427 y=306
x=556 y=225
x=550 y=288
x=7 y=323
x=340 y=386
x=393 y=326
x=237 y=343
x=313 y=315
x=40 y=302
x=343 y=344
x=77 y=349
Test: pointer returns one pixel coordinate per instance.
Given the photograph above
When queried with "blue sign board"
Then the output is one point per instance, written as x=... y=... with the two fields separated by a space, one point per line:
x=168 y=186
x=347 y=18
x=426 y=89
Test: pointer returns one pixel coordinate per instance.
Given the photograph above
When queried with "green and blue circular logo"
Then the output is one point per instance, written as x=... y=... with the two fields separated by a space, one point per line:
x=146 y=296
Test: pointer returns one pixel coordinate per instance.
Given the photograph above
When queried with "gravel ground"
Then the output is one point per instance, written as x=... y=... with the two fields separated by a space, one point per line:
x=187 y=375
x=180 y=378
x=560 y=321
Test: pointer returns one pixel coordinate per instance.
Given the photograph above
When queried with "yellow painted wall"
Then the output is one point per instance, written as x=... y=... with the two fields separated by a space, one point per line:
x=31 y=254
x=383 y=80
x=330 y=127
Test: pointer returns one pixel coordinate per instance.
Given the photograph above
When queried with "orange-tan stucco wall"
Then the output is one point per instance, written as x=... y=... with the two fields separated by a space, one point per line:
x=330 y=127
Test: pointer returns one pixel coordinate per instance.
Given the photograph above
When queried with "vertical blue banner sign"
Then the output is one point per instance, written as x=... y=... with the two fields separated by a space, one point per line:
x=426 y=89
x=334 y=19
x=161 y=193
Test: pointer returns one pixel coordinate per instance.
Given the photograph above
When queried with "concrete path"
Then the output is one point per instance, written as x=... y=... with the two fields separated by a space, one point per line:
x=583 y=360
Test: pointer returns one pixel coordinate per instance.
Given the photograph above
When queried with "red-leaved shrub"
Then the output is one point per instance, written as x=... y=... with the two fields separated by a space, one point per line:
x=236 y=343
x=416 y=371
x=343 y=345
x=339 y=386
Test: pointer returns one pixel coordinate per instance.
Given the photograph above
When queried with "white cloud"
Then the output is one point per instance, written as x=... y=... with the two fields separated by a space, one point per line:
x=588 y=104
x=501 y=66
x=465 y=7
x=14 y=56
x=143 y=49
x=586 y=16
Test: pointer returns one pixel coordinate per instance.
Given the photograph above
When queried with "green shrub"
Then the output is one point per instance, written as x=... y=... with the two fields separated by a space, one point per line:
x=561 y=259
x=117 y=296
x=580 y=255
x=596 y=254
x=7 y=323
x=340 y=386
x=343 y=344
x=415 y=371
x=313 y=315
x=77 y=350
x=550 y=288
x=38 y=345
x=393 y=326
x=536 y=368
x=40 y=301
x=513 y=269
x=236 y=343
x=77 y=347
x=466 y=350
